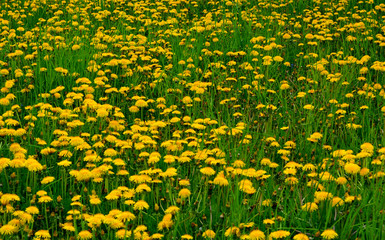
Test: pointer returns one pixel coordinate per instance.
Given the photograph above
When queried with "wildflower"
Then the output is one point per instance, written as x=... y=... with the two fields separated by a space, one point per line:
x=187 y=237
x=341 y=180
x=246 y=186
x=352 y=168
x=364 y=171
x=64 y=163
x=123 y=234
x=4 y=162
x=43 y=234
x=279 y=234
x=8 y=229
x=207 y=171
x=291 y=180
x=329 y=234
x=166 y=222
x=157 y=236
x=140 y=205
x=322 y=195
x=268 y=221
x=184 y=193
x=310 y=207
x=32 y=210
x=45 y=199
x=221 y=180
x=47 y=180
x=300 y=236
x=125 y=216
x=232 y=231
x=208 y=234
x=285 y=86
x=133 y=109
x=41 y=193
x=184 y=182
x=141 y=103
x=337 y=201
x=110 y=152
x=267 y=203
x=172 y=209
x=142 y=187
x=26 y=218
x=256 y=235
x=367 y=147
x=84 y=235
x=34 y=166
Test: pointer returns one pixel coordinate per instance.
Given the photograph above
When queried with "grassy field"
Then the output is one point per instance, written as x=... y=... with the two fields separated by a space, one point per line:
x=182 y=119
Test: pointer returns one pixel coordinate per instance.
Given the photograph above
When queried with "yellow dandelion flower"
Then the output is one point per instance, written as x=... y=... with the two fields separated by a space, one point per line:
x=172 y=209
x=110 y=152
x=208 y=234
x=157 y=236
x=310 y=207
x=207 y=171
x=125 y=216
x=140 y=205
x=166 y=222
x=8 y=229
x=341 y=180
x=352 y=168
x=184 y=193
x=47 y=180
x=184 y=182
x=32 y=210
x=300 y=236
x=367 y=147
x=133 y=109
x=257 y=235
x=232 y=231
x=43 y=234
x=84 y=235
x=141 y=103
x=45 y=199
x=221 y=180
x=322 y=195
x=337 y=201
x=364 y=171
x=329 y=234
x=285 y=86
x=187 y=237
x=123 y=234
x=41 y=193
x=308 y=107
x=279 y=234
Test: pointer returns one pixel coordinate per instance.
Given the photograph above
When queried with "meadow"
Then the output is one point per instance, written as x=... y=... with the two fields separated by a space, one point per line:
x=183 y=119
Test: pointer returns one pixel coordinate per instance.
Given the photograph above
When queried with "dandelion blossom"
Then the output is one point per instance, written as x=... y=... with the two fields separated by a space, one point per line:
x=184 y=193
x=279 y=234
x=209 y=234
x=43 y=234
x=257 y=235
x=300 y=236
x=47 y=180
x=140 y=205
x=8 y=229
x=352 y=168
x=84 y=235
x=310 y=207
x=187 y=237
x=329 y=234
x=123 y=234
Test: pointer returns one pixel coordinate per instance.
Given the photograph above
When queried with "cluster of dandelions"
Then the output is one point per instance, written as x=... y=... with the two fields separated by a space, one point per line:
x=189 y=120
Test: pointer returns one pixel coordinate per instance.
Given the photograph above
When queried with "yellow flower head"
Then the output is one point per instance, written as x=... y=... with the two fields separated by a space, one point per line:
x=329 y=234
